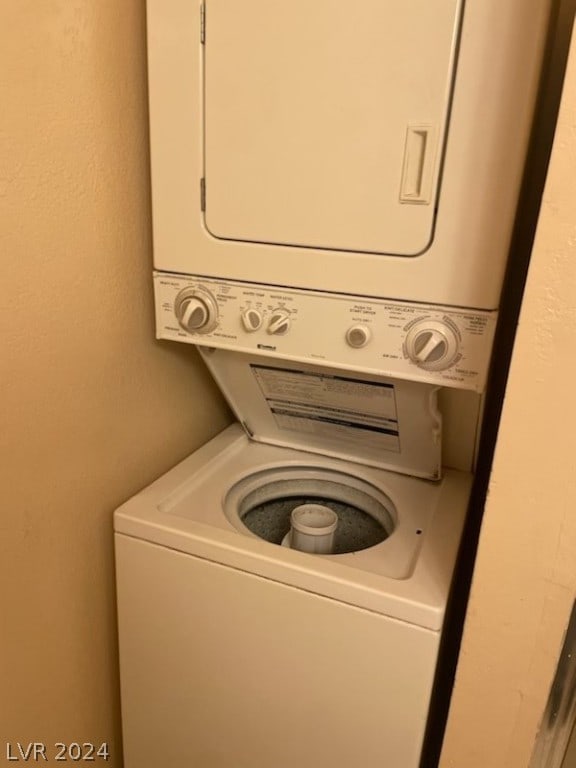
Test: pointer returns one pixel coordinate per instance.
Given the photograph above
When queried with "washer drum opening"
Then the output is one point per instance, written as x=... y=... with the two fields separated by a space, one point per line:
x=261 y=505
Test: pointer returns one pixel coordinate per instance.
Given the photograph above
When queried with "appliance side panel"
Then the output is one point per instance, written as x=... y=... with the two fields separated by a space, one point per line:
x=220 y=667
x=461 y=418
x=174 y=31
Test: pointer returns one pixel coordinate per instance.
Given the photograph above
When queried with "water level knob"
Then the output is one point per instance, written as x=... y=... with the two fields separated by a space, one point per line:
x=279 y=322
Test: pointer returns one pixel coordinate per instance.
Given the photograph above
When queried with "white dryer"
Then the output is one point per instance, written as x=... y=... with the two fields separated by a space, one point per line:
x=238 y=651
x=373 y=149
x=306 y=152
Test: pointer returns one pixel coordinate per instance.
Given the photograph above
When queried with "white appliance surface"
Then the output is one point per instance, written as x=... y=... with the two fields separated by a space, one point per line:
x=341 y=139
x=236 y=651
x=373 y=149
x=334 y=188
x=440 y=345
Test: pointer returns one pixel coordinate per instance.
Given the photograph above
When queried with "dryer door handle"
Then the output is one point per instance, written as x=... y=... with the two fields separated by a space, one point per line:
x=419 y=152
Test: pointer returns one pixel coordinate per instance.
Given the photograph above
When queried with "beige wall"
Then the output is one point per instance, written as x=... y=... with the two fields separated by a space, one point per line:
x=525 y=577
x=92 y=408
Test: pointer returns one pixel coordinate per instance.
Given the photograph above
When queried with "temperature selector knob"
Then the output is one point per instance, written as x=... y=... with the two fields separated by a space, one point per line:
x=279 y=322
x=432 y=344
x=251 y=320
x=196 y=310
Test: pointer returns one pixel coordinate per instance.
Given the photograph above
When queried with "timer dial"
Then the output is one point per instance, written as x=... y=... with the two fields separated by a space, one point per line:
x=432 y=344
x=196 y=310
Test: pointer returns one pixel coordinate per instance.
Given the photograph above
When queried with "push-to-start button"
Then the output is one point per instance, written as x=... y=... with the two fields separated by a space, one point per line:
x=358 y=336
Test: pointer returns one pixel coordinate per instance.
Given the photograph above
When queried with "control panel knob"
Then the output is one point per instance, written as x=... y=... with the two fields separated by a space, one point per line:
x=358 y=336
x=251 y=320
x=196 y=310
x=279 y=322
x=432 y=345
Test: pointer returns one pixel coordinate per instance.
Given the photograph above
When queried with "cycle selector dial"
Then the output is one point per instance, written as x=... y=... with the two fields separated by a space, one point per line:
x=196 y=310
x=432 y=344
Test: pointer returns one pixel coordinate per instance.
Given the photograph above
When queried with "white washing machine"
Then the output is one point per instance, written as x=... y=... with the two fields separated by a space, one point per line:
x=237 y=650
x=333 y=189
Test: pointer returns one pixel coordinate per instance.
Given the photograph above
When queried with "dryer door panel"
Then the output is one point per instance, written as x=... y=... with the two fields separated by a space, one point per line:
x=325 y=122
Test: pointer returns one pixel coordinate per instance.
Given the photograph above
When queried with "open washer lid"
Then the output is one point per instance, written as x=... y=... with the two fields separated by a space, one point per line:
x=376 y=421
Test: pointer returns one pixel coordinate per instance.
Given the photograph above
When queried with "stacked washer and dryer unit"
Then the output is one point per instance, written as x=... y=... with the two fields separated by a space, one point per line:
x=334 y=187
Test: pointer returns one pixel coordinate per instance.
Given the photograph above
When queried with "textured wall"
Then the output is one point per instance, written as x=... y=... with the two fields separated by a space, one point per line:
x=525 y=577
x=92 y=408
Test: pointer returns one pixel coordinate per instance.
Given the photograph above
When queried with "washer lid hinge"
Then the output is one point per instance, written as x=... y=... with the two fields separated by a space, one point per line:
x=202 y=194
x=247 y=429
x=202 y=23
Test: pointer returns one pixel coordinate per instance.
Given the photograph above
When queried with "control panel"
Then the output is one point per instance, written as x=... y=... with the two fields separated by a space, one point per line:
x=443 y=345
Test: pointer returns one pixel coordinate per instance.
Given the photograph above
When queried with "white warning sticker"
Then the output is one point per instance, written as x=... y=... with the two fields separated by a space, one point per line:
x=343 y=407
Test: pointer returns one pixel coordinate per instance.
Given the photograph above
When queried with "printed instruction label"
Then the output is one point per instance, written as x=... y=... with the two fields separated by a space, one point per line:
x=332 y=406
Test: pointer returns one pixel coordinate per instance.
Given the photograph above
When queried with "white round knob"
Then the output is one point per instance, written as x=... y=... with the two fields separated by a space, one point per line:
x=251 y=320
x=193 y=314
x=279 y=323
x=432 y=345
x=358 y=336
x=196 y=310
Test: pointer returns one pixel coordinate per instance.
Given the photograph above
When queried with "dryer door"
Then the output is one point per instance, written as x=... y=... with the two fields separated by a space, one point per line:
x=325 y=121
